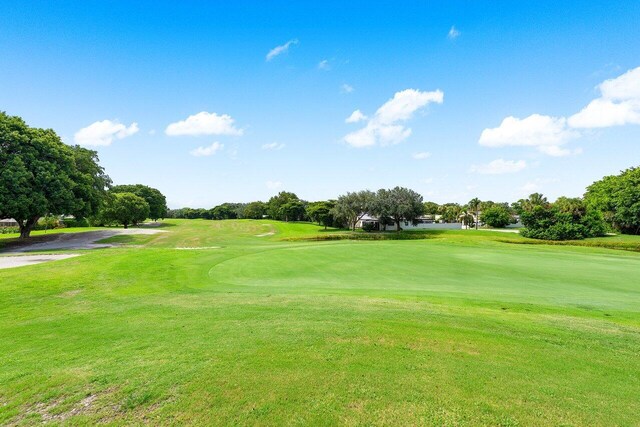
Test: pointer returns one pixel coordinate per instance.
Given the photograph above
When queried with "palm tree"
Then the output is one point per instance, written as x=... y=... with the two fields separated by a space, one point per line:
x=475 y=205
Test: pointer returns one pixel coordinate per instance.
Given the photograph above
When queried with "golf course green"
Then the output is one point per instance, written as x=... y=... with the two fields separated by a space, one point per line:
x=245 y=322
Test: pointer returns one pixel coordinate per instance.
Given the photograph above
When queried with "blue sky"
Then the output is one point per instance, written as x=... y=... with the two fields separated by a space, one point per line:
x=461 y=99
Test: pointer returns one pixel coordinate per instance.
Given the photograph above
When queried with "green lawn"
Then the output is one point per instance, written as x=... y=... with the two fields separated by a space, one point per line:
x=244 y=322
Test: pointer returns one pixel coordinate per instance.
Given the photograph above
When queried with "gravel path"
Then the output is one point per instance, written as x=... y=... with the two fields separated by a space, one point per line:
x=74 y=241
x=19 y=261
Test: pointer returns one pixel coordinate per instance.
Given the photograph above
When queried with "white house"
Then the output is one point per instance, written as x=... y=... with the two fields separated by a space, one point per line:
x=423 y=222
x=8 y=222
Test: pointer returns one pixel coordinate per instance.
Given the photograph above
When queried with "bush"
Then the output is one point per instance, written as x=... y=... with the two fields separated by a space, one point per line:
x=562 y=221
x=496 y=216
x=9 y=230
x=75 y=222
x=368 y=226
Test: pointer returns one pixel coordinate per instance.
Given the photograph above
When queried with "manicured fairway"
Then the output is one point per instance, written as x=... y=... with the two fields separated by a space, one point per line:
x=228 y=323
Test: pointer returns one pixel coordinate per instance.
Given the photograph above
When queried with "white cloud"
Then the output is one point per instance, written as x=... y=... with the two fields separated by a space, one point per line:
x=204 y=123
x=273 y=146
x=346 y=88
x=530 y=187
x=207 y=151
x=626 y=86
x=428 y=181
x=499 y=166
x=555 y=151
x=545 y=133
x=453 y=33
x=273 y=185
x=355 y=117
x=619 y=104
x=421 y=156
x=279 y=50
x=384 y=128
x=103 y=133
x=603 y=112
x=324 y=65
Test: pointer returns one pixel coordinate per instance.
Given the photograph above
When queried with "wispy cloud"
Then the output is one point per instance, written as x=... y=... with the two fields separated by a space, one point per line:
x=346 y=88
x=273 y=146
x=384 y=127
x=421 y=156
x=273 y=185
x=499 y=166
x=453 y=33
x=204 y=123
x=355 y=117
x=104 y=132
x=279 y=50
x=324 y=65
x=207 y=151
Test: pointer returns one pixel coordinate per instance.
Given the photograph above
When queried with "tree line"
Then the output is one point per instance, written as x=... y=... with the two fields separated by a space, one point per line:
x=41 y=176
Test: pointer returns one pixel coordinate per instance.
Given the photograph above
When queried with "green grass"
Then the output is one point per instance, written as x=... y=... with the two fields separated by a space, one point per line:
x=456 y=329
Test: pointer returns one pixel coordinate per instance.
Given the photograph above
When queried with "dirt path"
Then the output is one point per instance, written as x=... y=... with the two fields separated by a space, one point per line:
x=73 y=241
x=19 y=261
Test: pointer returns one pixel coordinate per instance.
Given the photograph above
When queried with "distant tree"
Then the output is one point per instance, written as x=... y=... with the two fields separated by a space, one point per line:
x=431 y=208
x=254 y=210
x=276 y=207
x=41 y=175
x=293 y=210
x=399 y=204
x=125 y=209
x=224 y=211
x=474 y=205
x=496 y=216
x=617 y=197
x=450 y=212
x=466 y=217
x=156 y=200
x=351 y=207
x=321 y=212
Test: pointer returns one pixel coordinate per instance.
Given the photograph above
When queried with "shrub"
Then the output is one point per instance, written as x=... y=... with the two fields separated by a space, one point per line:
x=368 y=226
x=568 y=219
x=496 y=216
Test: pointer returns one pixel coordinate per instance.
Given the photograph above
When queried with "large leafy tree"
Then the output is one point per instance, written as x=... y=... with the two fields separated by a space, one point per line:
x=286 y=206
x=125 y=209
x=90 y=181
x=450 y=212
x=351 y=207
x=254 y=210
x=399 y=204
x=321 y=212
x=156 y=200
x=41 y=175
x=618 y=198
x=431 y=208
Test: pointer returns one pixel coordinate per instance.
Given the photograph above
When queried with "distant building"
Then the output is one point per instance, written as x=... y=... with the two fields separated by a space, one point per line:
x=8 y=222
x=423 y=222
